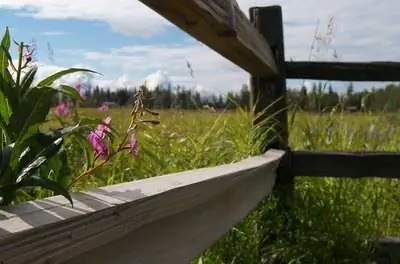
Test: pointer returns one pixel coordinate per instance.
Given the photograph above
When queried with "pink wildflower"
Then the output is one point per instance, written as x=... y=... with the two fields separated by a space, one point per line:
x=103 y=128
x=133 y=148
x=97 y=138
x=62 y=110
x=99 y=144
x=104 y=107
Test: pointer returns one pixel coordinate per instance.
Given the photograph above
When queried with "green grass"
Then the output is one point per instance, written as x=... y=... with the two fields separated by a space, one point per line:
x=330 y=220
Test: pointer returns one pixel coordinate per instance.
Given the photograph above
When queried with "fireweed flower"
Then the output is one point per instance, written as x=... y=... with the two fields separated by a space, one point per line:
x=133 y=146
x=97 y=138
x=99 y=144
x=104 y=107
x=62 y=110
x=103 y=128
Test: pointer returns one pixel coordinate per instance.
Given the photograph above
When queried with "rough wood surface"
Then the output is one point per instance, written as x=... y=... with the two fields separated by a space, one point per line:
x=165 y=219
x=222 y=26
x=346 y=164
x=387 y=250
x=344 y=71
x=269 y=95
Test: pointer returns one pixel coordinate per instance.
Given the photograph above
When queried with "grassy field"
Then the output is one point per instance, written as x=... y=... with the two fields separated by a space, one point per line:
x=330 y=219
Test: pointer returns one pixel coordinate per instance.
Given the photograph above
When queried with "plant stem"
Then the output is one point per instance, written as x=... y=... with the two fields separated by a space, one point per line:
x=89 y=171
x=20 y=56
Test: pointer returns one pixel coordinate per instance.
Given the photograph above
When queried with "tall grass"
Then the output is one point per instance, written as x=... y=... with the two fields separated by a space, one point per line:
x=329 y=221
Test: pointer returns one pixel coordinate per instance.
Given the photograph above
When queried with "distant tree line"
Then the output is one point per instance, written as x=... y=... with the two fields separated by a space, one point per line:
x=319 y=98
x=324 y=98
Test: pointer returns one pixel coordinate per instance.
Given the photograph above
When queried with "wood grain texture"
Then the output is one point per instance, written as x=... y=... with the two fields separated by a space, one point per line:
x=222 y=26
x=165 y=219
x=344 y=71
x=269 y=96
x=346 y=164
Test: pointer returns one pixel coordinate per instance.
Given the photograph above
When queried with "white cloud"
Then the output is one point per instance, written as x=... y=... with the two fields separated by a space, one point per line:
x=364 y=30
x=54 y=33
x=45 y=70
x=129 y=17
x=159 y=78
x=207 y=94
x=209 y=68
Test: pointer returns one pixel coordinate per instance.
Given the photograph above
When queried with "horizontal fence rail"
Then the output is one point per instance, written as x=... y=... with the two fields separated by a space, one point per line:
x=346 y=164
x=166 y=219
x=222 y=26
x=344 y=71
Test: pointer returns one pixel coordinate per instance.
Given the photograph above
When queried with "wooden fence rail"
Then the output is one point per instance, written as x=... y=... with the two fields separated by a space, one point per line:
x=166 y=219
x=346 y=164
x=385 y=71
x=222 y=26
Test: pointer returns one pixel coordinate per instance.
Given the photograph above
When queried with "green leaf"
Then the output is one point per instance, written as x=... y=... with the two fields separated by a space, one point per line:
x=34 y=181
x=87 y=148
x=70 y=91
x=27 y=80
x=3 y=124
x=3 y=138
x=47 y=184
x=36 y=106
x=7 y=98
x=41 y=158
x=52 y=78
x=5 y=156
x=31 y=168
x=63 y=174
x=34 y=145
x=6 y=80
x=51 y=135
x=4 y=55
x=5 y=112
x=52 y=149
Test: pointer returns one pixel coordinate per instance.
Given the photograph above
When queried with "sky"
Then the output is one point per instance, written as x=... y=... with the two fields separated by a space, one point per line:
x=130 y=44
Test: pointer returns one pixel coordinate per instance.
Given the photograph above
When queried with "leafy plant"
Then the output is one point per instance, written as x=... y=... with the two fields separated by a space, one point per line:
x=29 y=157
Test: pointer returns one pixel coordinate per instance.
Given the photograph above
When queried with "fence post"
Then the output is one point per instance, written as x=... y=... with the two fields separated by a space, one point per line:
x=270 y=94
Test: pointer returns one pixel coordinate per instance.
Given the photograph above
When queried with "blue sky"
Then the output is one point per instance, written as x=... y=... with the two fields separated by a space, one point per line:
x=129 y=43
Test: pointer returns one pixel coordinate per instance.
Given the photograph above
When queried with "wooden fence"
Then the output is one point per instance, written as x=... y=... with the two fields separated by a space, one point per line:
x=174 y=218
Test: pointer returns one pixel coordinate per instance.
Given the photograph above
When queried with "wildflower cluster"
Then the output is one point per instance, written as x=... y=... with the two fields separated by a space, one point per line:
x=30 y=156
x=100 y=138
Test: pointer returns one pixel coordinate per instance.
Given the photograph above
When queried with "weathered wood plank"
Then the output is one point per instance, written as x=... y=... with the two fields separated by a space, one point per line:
x=387 y=250
x=269 y=95
x=346 y=164
x=268 y=99
x=222 y=26
x=344 y=71
x=166 y=219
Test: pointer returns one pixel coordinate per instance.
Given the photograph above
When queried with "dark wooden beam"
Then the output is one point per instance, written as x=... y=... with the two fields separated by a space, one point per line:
x=344 y=71
x=346 y=164
x=268 y=95
x=387 y=250
x=222 y=26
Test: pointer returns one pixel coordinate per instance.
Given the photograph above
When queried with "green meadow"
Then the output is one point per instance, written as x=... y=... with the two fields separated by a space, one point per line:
x=330 y=220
